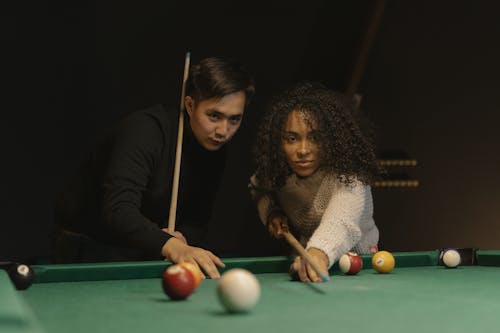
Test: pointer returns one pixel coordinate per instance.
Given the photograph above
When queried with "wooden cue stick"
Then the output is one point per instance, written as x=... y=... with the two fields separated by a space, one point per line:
x=365 y=49
x=297 y=246
x=178 y=151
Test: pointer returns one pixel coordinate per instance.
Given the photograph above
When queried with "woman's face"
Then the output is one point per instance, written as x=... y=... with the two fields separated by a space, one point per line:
x=300 y=144
x=214 y=121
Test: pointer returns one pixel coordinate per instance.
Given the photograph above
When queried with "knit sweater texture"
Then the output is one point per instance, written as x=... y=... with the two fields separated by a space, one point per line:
x=328 y=215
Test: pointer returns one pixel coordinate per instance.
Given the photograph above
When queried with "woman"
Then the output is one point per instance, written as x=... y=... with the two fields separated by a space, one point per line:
x=314 y=167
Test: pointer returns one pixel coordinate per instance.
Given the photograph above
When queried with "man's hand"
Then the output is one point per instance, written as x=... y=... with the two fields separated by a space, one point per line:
x=176 y=234
x=178 y=251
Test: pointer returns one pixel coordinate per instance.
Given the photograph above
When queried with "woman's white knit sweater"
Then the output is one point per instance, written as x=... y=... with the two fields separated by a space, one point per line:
x=329 y=215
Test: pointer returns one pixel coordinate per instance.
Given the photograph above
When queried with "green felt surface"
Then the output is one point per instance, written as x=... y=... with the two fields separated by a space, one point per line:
x=424 y=299
x=418 y=296
x=15 y=314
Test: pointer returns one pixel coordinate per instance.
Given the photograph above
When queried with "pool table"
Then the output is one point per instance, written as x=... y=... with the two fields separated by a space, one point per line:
x=418 y=296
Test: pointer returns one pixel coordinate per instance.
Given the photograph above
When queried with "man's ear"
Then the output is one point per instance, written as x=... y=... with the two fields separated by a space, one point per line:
x=189 y=105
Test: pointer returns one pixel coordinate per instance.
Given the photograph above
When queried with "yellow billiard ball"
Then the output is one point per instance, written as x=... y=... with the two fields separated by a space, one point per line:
x=383 y=262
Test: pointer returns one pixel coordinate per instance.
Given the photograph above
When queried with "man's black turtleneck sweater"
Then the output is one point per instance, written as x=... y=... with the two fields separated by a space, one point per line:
x=121 y=195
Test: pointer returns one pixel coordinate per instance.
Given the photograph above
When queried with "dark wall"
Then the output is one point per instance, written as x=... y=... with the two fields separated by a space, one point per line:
x=432 y=88
x=74 y=68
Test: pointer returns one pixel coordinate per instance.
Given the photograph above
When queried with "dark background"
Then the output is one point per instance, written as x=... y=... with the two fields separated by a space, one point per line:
x=70 y=69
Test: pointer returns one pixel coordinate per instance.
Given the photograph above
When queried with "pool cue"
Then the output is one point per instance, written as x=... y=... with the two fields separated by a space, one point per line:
x=178 y=151
x=365 y=47
x=297 y=246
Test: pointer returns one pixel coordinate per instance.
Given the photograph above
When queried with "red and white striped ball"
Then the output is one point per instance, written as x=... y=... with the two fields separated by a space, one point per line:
x=350 y=263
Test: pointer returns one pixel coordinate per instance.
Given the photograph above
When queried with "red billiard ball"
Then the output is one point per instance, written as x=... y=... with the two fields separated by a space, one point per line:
x=350 y=263
x=193 y=268
x=178 y=282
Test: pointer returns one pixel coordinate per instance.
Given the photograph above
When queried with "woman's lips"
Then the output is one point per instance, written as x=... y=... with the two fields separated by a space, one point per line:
x=303 y=164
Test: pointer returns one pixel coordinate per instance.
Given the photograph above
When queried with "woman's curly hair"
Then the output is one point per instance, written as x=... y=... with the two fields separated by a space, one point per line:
x=346 y=150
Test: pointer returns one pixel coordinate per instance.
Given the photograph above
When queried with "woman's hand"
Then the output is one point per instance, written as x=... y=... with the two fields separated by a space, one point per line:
x=277 y=224
x=304 y=271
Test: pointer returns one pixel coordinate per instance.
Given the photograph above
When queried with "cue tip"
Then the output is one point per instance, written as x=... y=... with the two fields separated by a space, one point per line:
x=325 y=277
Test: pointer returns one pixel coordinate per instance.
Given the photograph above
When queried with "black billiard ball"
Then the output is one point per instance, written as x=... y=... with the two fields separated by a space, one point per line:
x=21 y=275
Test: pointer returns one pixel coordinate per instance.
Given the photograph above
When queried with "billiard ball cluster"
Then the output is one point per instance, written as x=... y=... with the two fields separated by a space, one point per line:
x=238 y=290
x=22 y=275
x=382 y=261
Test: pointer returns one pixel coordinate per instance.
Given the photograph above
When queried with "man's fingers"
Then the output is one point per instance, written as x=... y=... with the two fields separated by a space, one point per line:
x=209 y=268
x=208 y=262
x=216 y=260
x=178 y=251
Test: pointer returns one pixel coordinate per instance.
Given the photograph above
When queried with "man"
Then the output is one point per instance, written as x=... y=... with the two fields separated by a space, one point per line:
x=117 y=207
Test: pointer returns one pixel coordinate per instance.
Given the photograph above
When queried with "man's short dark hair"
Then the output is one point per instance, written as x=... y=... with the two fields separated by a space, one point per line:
x=217 y=77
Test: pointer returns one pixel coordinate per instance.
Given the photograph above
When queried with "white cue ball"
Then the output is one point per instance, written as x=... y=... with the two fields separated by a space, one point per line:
x=238 y=290
x=451 y=258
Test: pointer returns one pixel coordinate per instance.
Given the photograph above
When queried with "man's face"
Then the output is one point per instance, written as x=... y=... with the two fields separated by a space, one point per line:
x=300 y=144
x=214 y=121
